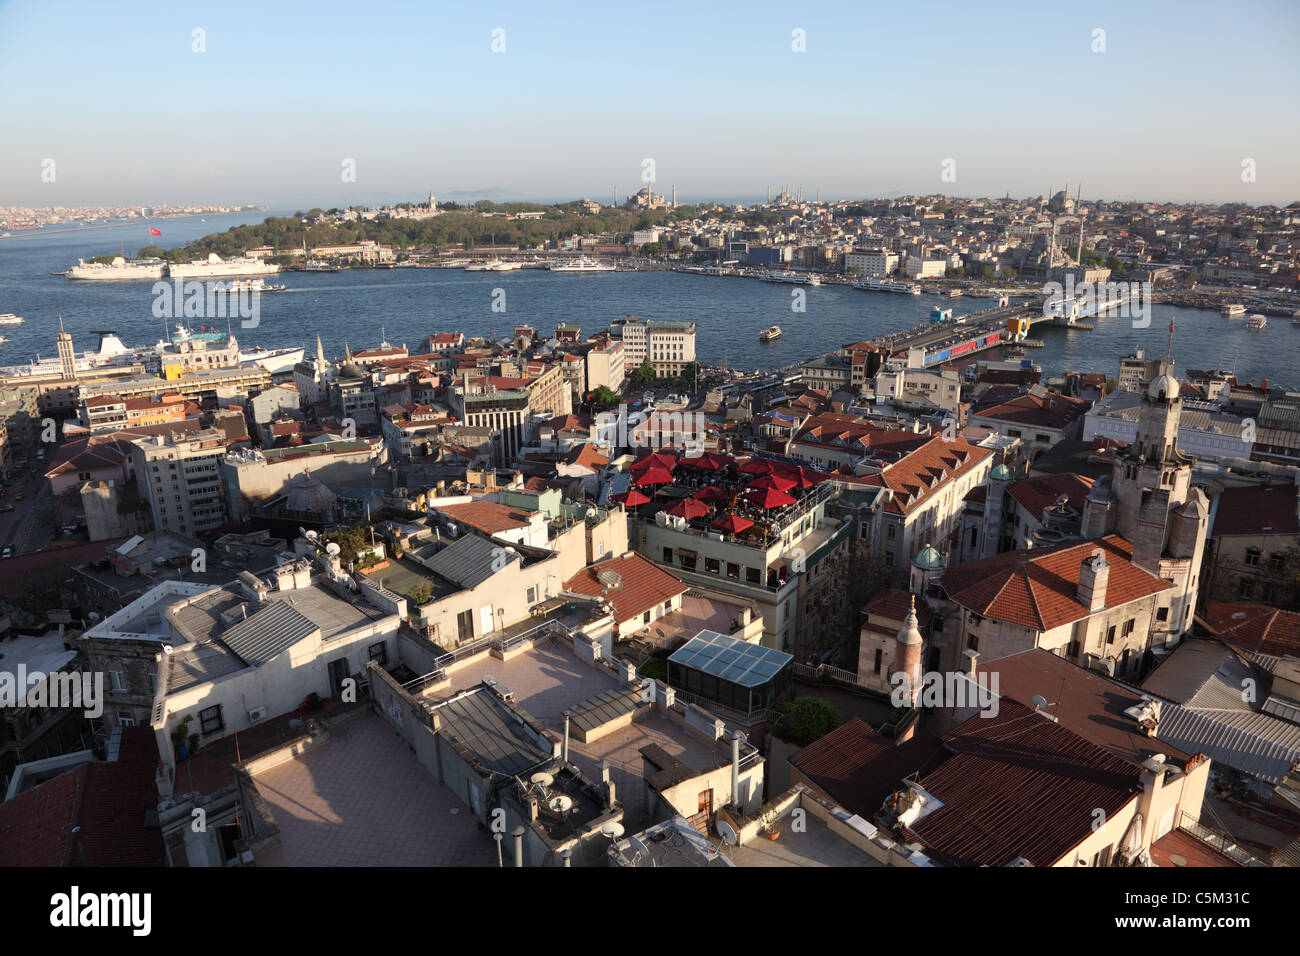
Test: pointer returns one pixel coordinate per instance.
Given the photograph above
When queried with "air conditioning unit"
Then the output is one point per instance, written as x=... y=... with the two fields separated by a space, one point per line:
x=256 y=715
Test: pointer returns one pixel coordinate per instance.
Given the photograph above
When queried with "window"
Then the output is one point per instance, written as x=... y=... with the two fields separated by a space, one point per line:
x=465 y=625
x=1162 y=614
x=1275 y=561
x=125 y=718
x=712 y=565
x=879 y=655
x=531 y=596
x=1252 y=557
x=379 y=653
x=117 y=682
x=1128 y=626
x=973 y=642
x=1245 y=588
x=974 y=536
x=891 y=533
x=668 y=555
x=1110 y=634
x=751 y=575
x=733 y=571
x=645 y=618
x=210 y=721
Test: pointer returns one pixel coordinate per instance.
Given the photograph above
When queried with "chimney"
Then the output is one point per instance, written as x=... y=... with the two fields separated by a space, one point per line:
x=1093 y=575
x=609 y=793
x=532 y=807
x=735 y=768
x=970 y=662
x=519 y=846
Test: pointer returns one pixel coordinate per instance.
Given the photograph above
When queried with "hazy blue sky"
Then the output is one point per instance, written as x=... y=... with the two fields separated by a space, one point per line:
x=713 y=92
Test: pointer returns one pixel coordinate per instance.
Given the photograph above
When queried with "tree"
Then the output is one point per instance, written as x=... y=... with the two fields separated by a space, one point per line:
x=603 y=399
x=808 y=719
x=420 y=594
x=689 y=372
x=644 y=375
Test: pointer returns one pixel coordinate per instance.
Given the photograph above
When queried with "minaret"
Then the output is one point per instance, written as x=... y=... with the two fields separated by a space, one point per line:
x=320 y=354
x=674 y=195
x=907 y=653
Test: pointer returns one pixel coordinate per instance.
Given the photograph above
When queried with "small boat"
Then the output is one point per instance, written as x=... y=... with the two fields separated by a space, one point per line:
x=770 y=335
x=3 y=340
x=1257 y=322
x=10 y=319
x=1234 y=311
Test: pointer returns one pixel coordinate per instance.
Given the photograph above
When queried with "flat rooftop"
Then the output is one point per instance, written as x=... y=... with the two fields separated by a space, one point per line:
x=363 y=800
x=815 y=846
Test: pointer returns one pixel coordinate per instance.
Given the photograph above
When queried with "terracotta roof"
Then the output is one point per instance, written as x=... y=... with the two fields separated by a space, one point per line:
x=108 y=801
x=1258 y=509
x=1019 y=785
x=838 y=431
x=892 y=605
x=1048 y=411
x=588 y=456
x=1036 y=495
x=644 y=584
x=926 y=470
x=1256 y=628
x=1038 y=588
x=858 y=768
x=490 y=517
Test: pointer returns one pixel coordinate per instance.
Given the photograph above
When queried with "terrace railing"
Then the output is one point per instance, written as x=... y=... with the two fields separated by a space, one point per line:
x=553 y=629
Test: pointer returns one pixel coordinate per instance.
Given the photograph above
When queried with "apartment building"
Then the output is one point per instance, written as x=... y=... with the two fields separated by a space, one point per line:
x=606 y=364
x=871 y=263
x=180 y=477
x=669 y=346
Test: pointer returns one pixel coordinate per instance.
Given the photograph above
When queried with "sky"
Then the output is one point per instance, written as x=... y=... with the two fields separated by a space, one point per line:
x=1166 y=102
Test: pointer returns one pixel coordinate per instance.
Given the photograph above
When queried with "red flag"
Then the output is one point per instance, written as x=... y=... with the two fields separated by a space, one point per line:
x=154 y=232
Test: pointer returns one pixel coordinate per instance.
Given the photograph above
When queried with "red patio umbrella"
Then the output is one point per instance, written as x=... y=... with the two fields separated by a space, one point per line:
x=766 y=498
x=631 y=499
x=773 y=481
x=688 y=508
x=807 y=477
x=708 y=461
x=654 y=475
x=710 y=493
x=756 y=466
x=652 y=460
x=732 y=524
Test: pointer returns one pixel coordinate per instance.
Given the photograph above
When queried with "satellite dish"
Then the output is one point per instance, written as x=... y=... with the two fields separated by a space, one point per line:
x=727 y=833
x=543 y=778
x=1039 y=701
x=613 y=830
x=167 y=648
x=333 y=548
x=561 y=803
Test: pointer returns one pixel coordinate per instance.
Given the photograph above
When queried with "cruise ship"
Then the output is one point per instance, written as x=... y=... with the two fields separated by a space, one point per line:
x=215 y=267
x=791 y=278
x=120 y=269
x=581 y=264
x=880 y=285
x=10 y=319
x=1234 y=311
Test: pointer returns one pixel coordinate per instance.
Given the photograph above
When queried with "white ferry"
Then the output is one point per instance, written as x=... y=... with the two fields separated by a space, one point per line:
x=770 y=335
x=120 y=269
x=1257 y=322
x=581 y=264
x=9 y=318
x=1234 y=311
x=214 y=266
x=791 y=278
x=882 y=285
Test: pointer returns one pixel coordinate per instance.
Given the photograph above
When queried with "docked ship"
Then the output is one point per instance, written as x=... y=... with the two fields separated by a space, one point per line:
x=120 y=269
x=10 y=319
x=1257 y=322
x=881 y=285
x=770 y=335
x=316 y=265
x=791 y=278
x=495 y=265
x=215 y=267
x=1234 y=311
x=581 y=264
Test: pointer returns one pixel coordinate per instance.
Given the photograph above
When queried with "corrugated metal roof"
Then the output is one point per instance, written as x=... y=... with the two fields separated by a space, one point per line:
x=267 y=633
x=475 y=721
x=469 y=561
x=1186 y=672
x=1252 y=743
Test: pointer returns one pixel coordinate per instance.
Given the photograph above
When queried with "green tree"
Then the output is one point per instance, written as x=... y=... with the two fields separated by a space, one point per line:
x=644 y=375
x=420 y=594
x=806 y=720
x=603 y=399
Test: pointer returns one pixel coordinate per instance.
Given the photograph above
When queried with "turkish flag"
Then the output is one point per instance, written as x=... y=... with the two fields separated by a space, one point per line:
x=154 y=232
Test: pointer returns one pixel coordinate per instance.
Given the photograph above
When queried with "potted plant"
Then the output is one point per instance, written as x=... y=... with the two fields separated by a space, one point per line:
x=179 y=735
x=771 y=817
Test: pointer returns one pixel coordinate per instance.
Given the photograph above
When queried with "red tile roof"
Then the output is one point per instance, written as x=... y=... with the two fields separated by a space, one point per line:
x=834 y=430
x=892 y=604
x=644 y=584
x=490 y=517
x=1256 y=628
x=1258 y=509
x=1038 y=588
x=108 y=801
x=925 y=471
x=1046 y=411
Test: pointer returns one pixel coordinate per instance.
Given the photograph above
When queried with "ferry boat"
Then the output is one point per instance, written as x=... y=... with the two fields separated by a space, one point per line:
x=1257 y=322
x=120 y=269
x=245 y=285
x=581 y=264
x=881 y=285
x=495 y=265
x=955 y=293
x=214 y=266
x=316 y=265
x=1234 y=311
x=9 y=318
x=770 y=335
x=791 y=278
